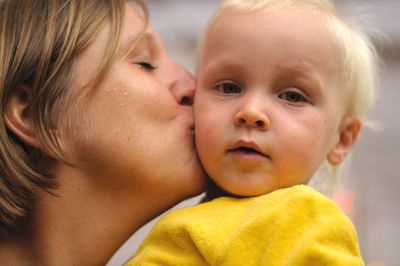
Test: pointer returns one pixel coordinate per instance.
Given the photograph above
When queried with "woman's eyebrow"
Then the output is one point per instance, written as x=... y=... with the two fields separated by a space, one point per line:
x=132 y=41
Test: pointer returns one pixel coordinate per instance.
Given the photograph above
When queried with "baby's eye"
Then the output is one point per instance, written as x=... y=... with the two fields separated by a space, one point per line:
x=146 y=66
x=228 y=88
x=292 y=97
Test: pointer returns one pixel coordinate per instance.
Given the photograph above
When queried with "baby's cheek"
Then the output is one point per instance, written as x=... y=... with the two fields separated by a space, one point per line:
x=204 y=120
x=206 y=135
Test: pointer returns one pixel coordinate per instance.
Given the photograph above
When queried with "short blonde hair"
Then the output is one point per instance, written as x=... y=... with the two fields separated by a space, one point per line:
x=359 y=58
x=39 y=43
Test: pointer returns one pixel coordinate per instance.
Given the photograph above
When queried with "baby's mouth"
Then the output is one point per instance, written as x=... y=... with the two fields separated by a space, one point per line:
x=247 y=150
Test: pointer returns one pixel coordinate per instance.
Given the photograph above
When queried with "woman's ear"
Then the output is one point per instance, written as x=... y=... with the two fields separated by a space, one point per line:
x=18 y=116
x=350 y=127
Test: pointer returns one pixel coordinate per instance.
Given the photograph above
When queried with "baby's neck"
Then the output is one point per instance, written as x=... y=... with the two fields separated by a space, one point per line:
x=213 y=191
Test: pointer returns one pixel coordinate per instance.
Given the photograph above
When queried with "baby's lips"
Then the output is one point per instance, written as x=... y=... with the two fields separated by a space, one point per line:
x=247 y=145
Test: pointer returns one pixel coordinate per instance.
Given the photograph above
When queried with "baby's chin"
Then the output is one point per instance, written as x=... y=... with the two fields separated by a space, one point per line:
x=247 y=192
x=250 y=190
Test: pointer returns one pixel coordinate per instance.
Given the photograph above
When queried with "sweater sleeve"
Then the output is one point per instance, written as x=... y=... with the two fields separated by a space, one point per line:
x=293 y=226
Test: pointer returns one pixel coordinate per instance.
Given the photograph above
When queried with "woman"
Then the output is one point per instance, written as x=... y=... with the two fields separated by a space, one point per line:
x=96 y=132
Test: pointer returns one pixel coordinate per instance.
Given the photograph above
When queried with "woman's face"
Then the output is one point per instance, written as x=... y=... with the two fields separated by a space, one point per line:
x=137 y=136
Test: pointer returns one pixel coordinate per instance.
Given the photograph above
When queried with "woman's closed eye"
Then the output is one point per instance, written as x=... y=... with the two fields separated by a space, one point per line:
x=228 y=88
x=146 y=66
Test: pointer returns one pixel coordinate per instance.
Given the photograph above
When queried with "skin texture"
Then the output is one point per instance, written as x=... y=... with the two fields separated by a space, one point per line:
x=133 y=144
x=269 y=108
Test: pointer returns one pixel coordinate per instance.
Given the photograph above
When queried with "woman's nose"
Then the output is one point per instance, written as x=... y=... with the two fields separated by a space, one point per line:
x=182 y=86
x=252 y=117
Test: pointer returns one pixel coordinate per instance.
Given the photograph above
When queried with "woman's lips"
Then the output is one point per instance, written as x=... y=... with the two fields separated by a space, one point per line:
x=192 y=137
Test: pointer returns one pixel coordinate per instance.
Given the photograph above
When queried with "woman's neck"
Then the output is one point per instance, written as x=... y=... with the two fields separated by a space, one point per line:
x=77 y=225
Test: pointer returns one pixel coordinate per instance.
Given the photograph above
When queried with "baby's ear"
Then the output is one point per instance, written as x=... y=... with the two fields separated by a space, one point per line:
x=18 y=116
x=350 y=127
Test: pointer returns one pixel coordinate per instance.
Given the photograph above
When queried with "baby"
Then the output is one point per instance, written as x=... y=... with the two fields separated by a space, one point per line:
x=283 y=89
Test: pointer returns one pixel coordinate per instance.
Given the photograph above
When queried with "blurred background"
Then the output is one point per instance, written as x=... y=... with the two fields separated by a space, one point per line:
x=371 y=193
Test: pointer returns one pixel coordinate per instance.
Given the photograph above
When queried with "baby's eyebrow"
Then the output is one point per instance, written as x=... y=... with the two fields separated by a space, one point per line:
x=301 y=70
x=226 y=63
x=309 y=77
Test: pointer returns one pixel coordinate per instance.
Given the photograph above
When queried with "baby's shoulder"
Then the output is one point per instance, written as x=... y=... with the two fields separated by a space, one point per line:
x=302 y=224
x=298 y=203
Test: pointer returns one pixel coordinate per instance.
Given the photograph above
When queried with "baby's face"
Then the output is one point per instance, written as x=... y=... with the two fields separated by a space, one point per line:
x=269 y=104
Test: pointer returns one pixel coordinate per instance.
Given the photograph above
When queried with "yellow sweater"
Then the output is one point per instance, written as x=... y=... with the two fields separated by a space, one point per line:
x=292 y=226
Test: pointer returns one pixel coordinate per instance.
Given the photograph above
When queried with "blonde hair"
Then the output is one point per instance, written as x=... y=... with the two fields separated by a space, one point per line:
x=359 y=59
x=39 y=42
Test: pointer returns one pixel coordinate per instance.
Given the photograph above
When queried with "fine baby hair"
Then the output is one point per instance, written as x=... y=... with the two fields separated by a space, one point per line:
x=357 y=57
